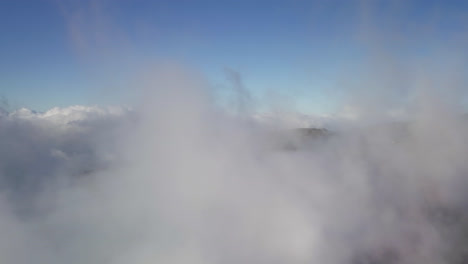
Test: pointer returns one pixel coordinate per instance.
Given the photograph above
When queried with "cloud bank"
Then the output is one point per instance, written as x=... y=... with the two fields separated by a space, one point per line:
x=179 y=180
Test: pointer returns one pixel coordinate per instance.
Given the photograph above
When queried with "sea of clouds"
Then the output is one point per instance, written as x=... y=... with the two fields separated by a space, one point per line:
x=178 y=179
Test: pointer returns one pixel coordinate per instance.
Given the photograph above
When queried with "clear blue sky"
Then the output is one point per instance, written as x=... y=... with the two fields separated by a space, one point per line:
x=63 y=52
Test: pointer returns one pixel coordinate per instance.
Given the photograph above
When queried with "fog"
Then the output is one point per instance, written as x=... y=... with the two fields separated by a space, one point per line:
x=178 y=178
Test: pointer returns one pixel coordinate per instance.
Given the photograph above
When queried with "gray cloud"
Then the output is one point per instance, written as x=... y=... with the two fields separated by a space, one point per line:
x=178 y=180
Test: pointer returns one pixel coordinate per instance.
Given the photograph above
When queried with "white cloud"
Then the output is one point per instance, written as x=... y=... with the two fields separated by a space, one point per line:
x=186 y=182
x=69 y=114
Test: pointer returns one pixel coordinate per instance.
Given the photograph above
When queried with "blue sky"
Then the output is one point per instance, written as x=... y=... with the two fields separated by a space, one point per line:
x=64 y=52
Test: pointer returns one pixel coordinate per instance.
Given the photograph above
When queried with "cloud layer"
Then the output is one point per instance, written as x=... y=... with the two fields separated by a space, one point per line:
x=179 y=180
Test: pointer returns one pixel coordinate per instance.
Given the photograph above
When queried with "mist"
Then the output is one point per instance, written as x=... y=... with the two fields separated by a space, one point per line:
x=178 y=178
x=185 y=182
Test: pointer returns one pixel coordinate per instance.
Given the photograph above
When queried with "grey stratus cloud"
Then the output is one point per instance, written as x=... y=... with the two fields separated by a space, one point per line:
x=185 y=182
x=38 y=148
